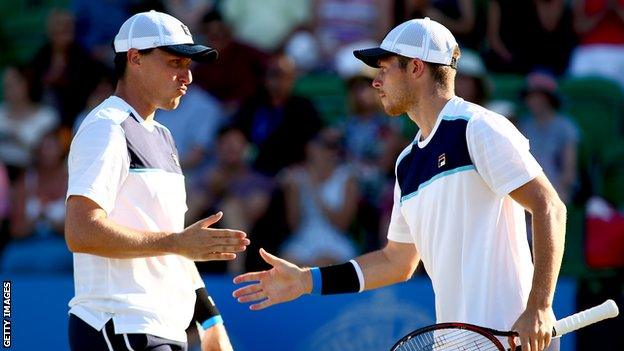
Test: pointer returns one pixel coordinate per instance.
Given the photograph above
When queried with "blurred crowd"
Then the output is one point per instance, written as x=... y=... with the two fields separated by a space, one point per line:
x=284 y=132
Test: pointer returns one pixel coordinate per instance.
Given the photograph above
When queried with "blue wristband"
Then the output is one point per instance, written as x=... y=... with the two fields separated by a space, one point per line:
x=212 y=321
x=317 y=280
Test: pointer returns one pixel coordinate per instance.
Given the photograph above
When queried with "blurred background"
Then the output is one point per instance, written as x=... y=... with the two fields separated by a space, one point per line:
x=286 y=136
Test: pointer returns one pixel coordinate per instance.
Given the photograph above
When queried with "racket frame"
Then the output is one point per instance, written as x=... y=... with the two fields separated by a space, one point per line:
x=488 y=333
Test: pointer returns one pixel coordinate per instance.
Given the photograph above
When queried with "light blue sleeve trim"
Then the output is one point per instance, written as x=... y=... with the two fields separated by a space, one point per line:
x=146 y=170
x=149 y=170
x=212 y=321
x=452 y=118
x=317 y=281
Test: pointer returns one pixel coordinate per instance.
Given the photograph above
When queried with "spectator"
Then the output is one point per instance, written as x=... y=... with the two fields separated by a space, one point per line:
x=339 y=23
x=321 y=202
x=600 y=26
x=553 y=136
x=553 y=47
x=189 y=12
x=99 y=22
x=232 y=186
x=544 y=42
x=305 y=50
x=265 y=25
x=4 y=205
x=508 y=47
x=365 y=123
x=96 y=29
x=38 y=213
x=471 y=81
x=277 y=122
x=238 y=72
x=4 y=194
x=194 y=125
x=103 y=89
x=67 y=72
x=465 y=18
x=408 y=9
x=372 y=143
x=23 y=120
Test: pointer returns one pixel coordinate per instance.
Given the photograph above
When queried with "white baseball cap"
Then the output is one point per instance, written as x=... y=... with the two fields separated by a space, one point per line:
x=153 y=29
x=420 y=38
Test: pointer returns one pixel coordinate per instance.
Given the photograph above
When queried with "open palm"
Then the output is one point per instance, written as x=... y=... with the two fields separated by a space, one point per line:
x=284 y=282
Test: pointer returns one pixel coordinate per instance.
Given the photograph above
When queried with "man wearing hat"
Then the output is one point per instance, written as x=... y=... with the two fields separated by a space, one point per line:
x=136 y=285
x=461 y=190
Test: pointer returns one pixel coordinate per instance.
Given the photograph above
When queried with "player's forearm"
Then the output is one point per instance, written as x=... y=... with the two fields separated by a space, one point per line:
x=215 y=339
x=386 y=267
x=102 y=237
x=393 y=264
x=548 y=244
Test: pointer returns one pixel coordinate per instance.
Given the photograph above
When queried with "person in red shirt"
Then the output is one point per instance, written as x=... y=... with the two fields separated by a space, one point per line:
x=600 y=27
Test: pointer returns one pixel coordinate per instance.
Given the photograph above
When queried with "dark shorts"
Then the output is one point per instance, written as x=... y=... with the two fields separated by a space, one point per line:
x=83 y=337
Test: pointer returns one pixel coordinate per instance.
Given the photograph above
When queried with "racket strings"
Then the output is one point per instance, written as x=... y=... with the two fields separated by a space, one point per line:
x=456 y=340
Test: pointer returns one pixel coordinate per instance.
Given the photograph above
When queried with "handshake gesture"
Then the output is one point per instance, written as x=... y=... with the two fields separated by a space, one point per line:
x=199 y=242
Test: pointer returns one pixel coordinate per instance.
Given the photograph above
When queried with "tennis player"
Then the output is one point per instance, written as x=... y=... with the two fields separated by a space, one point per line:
x=461 y=190
x=136 y=286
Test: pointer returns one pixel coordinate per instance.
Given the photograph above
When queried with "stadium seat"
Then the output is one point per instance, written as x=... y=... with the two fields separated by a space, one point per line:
x=506 y=86
x=597 y=106
x=328 y=92
x=573 y=264
x=28 y=18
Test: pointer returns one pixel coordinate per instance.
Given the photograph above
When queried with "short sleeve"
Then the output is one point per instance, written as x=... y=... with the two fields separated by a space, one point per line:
x=500 y=153
x=98 y=163
x=398 y=229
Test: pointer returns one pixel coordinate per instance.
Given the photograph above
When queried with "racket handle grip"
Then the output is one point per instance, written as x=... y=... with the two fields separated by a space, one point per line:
x=607 y=309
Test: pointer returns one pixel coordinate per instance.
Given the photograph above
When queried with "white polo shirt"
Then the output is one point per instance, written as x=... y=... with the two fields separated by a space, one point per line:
x=129 y=168
x=452 y=201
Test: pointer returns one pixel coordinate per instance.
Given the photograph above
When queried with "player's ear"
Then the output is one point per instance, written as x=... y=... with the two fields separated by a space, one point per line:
x=416 y=66
x=134 y=58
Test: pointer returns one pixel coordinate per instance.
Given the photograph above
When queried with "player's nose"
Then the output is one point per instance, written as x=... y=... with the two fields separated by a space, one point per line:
x=186 y=76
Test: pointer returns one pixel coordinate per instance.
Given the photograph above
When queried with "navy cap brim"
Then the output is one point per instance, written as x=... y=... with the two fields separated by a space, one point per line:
x=195 y=52
x=371 y=56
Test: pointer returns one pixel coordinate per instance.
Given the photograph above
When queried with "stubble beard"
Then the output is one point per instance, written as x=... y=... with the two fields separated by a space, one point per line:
x=397 y=106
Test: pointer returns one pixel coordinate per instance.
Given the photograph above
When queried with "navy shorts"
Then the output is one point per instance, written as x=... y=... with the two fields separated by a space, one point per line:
x=83 y=337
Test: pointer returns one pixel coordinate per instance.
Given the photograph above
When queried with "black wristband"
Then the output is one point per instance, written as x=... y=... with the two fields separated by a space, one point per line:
x=206 y=312
x=340 y=279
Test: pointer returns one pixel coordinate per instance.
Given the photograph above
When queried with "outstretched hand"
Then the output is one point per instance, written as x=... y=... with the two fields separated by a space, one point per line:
x=199 y=242
x=284 y=282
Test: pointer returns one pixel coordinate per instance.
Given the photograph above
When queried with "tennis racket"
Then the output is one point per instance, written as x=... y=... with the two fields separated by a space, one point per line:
x=468 y=337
